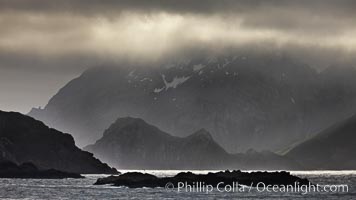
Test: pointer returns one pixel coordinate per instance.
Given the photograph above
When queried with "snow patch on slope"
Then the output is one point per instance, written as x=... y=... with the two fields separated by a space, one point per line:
x=175 y=82
x=158 y=90
x=198 y=67
x=132 y=73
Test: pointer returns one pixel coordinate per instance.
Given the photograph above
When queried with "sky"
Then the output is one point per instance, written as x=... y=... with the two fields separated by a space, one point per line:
x=46 y=43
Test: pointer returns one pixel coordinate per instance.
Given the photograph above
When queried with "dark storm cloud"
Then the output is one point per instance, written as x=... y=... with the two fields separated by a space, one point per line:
x=280 y=14
x=115 y=29
x=179 y=6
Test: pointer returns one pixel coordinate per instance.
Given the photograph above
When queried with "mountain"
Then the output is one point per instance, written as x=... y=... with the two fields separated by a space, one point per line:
x=331 y=149
x=24 y=139
x=131 y=143
x=264 y=102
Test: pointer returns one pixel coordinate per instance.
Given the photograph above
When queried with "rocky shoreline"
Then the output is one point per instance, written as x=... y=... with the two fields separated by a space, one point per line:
x=138 y=180
x=30 y=171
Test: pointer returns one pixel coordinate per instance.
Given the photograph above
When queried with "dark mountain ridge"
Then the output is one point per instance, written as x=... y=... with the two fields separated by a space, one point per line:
x=131 y=143
x=24 y=139
x=331 y=149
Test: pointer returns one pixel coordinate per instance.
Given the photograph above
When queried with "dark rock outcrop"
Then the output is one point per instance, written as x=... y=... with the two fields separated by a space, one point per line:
x=137 y=180
x=24 y=139
x=331 y=149
x=131 y=143
x=28 y=170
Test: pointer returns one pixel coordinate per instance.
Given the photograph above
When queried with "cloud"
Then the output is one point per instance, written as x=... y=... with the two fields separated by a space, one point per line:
x=154 y=29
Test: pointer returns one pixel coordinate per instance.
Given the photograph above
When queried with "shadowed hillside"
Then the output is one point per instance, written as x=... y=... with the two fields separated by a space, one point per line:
x=24 y=139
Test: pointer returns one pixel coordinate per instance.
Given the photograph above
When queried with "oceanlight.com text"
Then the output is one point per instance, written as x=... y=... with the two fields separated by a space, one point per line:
x=235 y=187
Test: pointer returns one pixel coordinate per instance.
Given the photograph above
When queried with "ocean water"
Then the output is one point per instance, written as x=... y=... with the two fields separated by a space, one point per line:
x=84 y=189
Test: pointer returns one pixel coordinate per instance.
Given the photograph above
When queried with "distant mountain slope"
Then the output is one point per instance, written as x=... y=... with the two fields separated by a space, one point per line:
x=265 y=102
x=131 y=143
x=333 y=148
x=24 y=139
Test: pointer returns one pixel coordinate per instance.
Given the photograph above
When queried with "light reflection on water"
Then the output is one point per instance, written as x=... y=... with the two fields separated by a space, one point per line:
x=174 y=172
x=84 y=188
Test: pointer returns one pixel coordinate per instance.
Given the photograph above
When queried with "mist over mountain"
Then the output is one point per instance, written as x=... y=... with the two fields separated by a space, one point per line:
x=24 y=139
x=131 y=143
x=333 y=148
x=259 y=101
